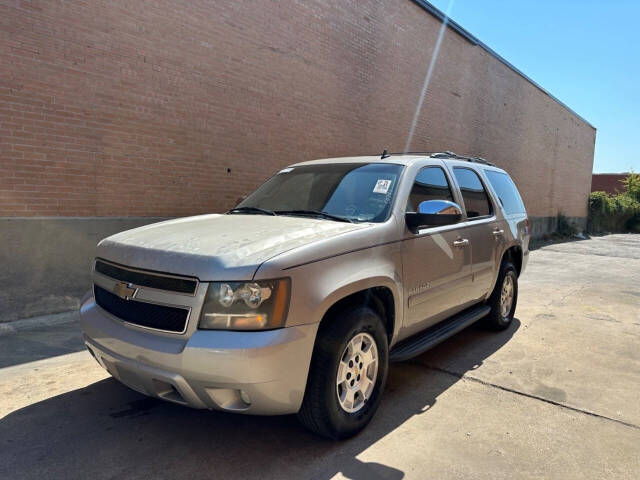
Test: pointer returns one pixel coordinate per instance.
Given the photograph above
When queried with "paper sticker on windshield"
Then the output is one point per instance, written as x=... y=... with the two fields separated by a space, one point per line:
x=286 y=170
x=382 y=186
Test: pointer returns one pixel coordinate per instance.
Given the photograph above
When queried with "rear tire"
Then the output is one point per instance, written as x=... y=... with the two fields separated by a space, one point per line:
x=504 y=298
x=343 y=393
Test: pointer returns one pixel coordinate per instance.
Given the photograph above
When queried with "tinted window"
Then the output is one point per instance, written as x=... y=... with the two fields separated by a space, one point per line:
x=357 y=191
x=507 y=192
x=430 y=184
x=476 y=201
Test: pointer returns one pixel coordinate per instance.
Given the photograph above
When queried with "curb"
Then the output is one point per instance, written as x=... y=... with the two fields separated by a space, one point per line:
x=15 y=326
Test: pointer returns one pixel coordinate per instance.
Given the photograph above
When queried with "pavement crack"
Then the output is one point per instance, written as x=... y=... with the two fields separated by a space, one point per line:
x=597 y=254
x=463 y=376
x=571 y=293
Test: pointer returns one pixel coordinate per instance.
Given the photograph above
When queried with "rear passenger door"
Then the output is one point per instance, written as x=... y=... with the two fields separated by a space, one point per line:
x=436 y=272
x=481 y=228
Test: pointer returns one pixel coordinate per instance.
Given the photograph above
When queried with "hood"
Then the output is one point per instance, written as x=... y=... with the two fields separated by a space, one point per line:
x=216 y=247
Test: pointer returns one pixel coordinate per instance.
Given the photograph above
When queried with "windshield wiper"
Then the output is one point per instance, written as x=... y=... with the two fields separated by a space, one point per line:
x=257 y=210
x=314 y=213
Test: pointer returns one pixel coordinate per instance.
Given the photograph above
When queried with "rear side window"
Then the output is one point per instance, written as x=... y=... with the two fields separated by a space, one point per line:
x=430 y=184
x=476 y=201
x=507 y=192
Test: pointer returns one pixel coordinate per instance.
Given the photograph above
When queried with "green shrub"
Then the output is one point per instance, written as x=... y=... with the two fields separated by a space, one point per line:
x=632 y=185
x=613 y=213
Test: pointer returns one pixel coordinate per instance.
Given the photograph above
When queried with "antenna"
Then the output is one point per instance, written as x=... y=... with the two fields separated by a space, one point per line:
x=385 y=154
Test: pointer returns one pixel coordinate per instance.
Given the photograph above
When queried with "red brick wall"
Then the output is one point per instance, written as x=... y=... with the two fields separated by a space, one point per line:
x=608 y=182
x=136 y=108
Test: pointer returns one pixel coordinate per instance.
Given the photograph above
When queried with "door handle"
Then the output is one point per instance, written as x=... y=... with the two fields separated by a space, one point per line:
x=461 y=242
x=498 y=232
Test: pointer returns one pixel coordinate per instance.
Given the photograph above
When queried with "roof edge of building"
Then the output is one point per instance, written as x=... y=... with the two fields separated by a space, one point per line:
x=464 y=33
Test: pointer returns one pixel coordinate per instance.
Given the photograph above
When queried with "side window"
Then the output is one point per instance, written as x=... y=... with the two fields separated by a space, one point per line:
x=430 y=184
x=507 y=192
x=476 y=201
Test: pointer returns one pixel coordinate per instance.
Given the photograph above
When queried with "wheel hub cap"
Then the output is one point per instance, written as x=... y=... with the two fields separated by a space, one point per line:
x=357 y=372
x=506 y=296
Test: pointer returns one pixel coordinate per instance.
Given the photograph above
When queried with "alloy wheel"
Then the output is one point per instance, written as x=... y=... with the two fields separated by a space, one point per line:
x=506 y=296
x=357 y=372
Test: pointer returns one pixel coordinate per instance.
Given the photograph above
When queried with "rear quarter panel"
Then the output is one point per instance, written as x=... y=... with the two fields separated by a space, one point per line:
x=514 y=225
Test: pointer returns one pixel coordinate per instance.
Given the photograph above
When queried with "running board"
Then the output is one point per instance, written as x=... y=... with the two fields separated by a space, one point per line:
x=432 y=336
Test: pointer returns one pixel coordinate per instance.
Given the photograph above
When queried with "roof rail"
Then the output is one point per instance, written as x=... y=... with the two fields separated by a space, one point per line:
x=387 y=154
x=445 y=154
x=415 y=153
x=462 y=157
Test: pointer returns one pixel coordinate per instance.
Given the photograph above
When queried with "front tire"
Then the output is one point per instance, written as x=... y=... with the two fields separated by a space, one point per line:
x=503 y=299
x=347 y=374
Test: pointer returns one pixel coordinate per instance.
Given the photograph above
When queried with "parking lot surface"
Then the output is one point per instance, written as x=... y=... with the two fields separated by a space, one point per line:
x=555 y=396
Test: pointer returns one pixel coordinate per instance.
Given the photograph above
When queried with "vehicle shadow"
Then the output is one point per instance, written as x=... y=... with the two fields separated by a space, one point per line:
x=106 y=430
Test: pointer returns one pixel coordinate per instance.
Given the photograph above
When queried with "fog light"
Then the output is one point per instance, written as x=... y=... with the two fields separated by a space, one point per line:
x=245 y=397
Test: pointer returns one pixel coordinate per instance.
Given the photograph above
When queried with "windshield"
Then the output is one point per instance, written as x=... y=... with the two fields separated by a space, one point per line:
x=354 y=191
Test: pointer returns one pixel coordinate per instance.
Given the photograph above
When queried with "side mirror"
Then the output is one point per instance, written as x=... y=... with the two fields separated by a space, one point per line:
x=433 y=213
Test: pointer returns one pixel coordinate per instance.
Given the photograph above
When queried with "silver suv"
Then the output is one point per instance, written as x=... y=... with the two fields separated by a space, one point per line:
x=296 y=300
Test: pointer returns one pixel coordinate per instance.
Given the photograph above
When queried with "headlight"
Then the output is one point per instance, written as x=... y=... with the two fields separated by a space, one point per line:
x=259 y=305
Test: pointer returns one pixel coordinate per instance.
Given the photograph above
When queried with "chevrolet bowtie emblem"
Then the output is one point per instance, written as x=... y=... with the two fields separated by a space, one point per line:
x=125 y=291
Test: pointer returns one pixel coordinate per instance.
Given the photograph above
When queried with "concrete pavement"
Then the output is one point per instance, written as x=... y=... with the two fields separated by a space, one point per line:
x=555 y=396
x=36 y=338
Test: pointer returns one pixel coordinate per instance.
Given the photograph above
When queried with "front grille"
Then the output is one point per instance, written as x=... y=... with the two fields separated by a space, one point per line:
x=160 y=317
x=147 y=279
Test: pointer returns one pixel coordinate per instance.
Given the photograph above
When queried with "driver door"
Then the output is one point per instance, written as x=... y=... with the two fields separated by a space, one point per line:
x=436 y=263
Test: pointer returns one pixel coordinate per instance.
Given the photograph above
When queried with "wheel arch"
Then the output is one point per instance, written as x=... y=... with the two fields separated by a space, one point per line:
x=514 y=255
x=381 y=295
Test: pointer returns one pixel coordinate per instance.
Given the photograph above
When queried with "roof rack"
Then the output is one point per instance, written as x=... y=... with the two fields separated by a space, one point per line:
x=387 y=154
x=445 y=154
x=461 y=157
x=414 y=153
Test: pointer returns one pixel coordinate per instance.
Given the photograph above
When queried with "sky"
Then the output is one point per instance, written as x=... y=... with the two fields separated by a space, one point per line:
x=586 y=53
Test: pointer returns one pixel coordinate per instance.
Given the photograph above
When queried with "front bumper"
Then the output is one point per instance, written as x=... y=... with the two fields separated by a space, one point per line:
x=210 y=369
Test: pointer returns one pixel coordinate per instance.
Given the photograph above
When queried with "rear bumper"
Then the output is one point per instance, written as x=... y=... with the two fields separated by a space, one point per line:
x=525 y=261
x=210 y=369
